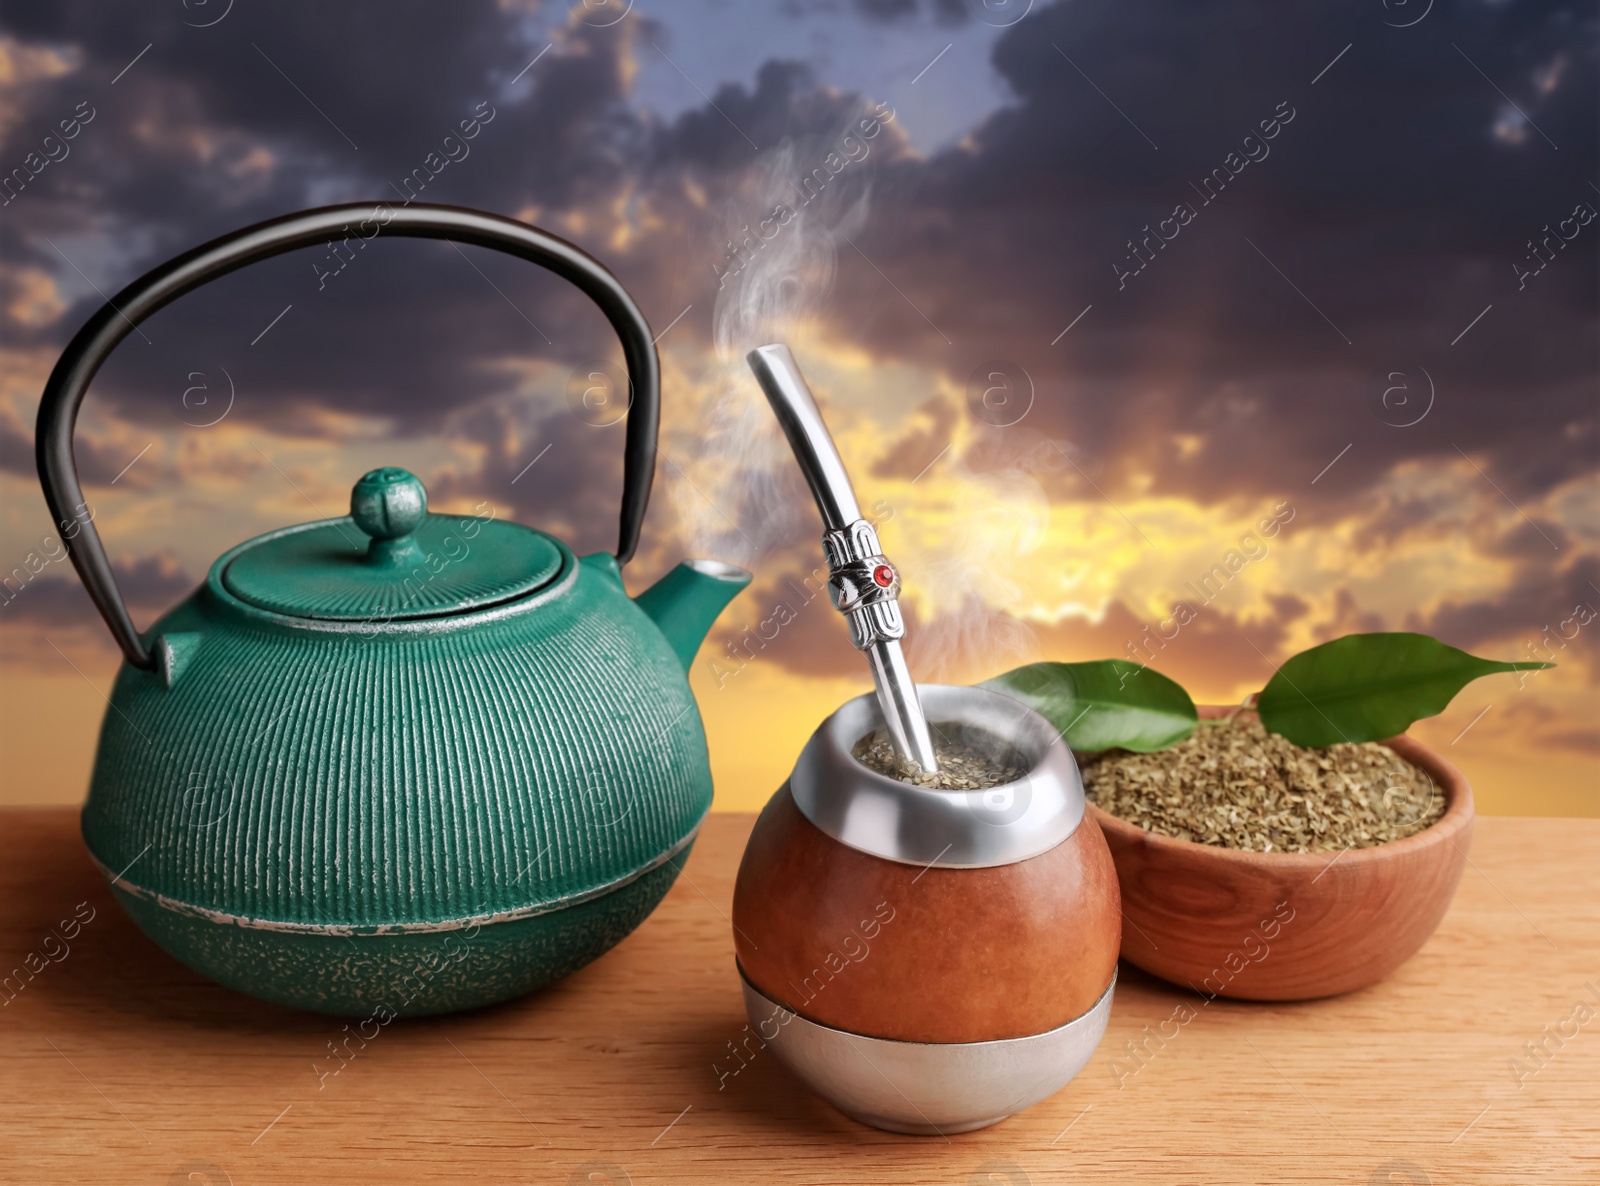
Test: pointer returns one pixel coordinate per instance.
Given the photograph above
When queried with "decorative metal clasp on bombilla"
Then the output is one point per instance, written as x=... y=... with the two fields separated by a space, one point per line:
x=864 y=585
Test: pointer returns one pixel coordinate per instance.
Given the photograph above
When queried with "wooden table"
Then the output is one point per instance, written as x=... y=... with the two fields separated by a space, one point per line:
x=117 y=1064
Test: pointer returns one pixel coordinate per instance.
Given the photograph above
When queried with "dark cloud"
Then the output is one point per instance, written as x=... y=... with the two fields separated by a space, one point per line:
x=789 y=622
x=1209 y=655
x=728 y=134
x=1388 y=197
x=408 y=333
x=1389 y=213
x=53 y=597
x=1541 y=609
x=892 y=11
x=1585 y=741
x=1348 y=618
x=554 y=472
x=886 y=10
x=1288 y=606
x=910 y=455
x=1389 y=201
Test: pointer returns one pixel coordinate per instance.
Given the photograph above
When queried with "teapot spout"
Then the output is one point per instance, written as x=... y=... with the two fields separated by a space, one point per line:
x=685 y=602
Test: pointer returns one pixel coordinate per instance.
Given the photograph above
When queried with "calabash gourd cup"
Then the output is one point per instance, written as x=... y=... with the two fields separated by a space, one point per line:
x=929 y=961
x=395 y=761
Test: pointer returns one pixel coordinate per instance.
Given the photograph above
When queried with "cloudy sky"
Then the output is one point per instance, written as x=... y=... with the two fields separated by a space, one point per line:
x=1108 y=286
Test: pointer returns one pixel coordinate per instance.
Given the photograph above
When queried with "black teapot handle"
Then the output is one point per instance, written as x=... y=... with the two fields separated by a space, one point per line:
x=63 y=394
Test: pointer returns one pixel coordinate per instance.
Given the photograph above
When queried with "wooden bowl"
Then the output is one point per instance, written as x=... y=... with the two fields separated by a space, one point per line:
x=1270 y=926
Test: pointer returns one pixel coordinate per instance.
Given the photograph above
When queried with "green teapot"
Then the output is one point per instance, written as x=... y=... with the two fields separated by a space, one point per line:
x=398 y=762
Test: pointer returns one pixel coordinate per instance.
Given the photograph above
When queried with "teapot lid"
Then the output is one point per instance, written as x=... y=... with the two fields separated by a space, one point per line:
x=391 y=560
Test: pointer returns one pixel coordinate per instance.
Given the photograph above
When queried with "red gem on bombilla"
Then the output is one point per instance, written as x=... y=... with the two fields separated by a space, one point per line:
x=883 y=575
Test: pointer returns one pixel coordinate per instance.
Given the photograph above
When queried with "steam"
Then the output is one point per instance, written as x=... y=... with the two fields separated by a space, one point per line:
x=736 y=490
x=999 y=518
x=780 y=266
x=778 y=255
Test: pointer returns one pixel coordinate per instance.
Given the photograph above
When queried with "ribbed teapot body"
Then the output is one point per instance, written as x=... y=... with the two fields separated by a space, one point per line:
x=287 y=792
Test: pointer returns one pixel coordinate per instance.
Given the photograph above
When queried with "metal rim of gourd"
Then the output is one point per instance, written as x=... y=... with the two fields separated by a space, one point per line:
x=121 y=315
x=914 y=825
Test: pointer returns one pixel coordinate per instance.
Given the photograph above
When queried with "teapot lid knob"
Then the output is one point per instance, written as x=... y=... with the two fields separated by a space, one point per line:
x=388 y=503
x=319 y=570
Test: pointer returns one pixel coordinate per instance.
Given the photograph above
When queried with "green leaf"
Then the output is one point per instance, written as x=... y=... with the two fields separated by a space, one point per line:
x=1366 y=687
x=1105 y=704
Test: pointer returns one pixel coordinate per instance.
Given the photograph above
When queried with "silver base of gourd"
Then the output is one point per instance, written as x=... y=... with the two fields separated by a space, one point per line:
x=926 y=1088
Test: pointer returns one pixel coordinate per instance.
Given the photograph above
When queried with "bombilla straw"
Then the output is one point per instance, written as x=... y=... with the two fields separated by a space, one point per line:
x=864 y=585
